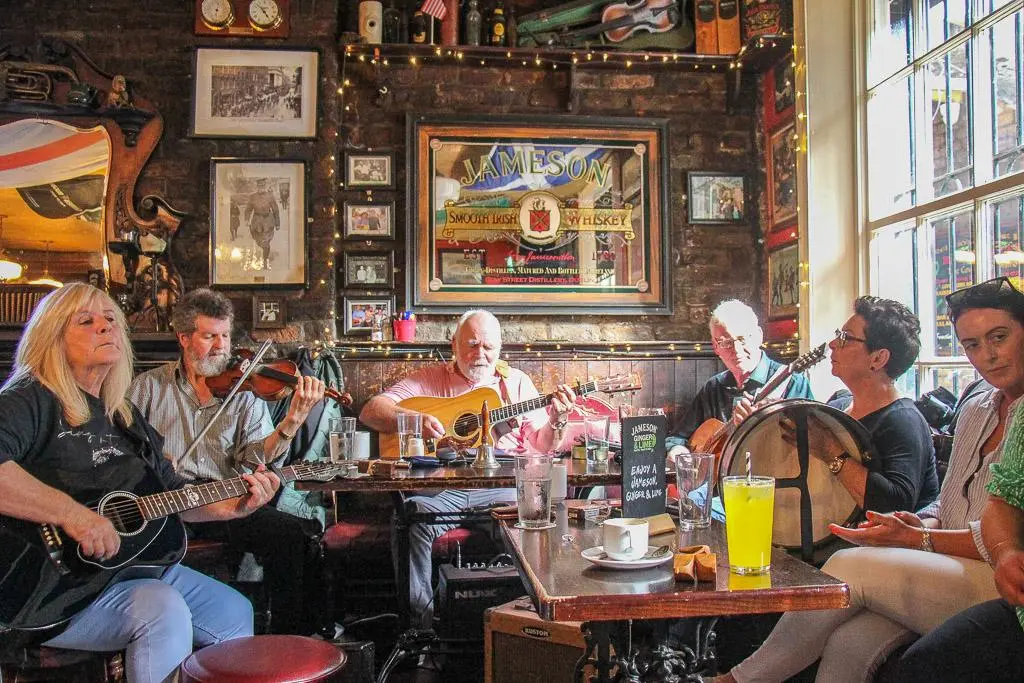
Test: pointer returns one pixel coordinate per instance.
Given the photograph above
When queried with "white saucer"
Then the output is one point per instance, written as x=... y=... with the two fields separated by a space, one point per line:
x=595 y=555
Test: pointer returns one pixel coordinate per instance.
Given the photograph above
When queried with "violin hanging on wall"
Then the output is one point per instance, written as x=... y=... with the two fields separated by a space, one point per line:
x=621 y=20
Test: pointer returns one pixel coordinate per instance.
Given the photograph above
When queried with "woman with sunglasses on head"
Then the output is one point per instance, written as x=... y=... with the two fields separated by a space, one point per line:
x=926 y=566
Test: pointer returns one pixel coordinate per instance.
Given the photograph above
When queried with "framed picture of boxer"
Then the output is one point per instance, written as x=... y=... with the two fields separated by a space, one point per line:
x=360 y=312
x=269 y=312
x=258 y=223
x=369 y=170
x=369 y=220
x=784 y=282
x=368 y=270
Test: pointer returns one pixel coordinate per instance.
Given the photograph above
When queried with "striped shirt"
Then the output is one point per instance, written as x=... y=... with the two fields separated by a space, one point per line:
x=169 y=402
x=964 y=490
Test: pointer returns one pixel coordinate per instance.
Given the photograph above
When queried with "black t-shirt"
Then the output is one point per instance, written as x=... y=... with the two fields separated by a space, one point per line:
x=86 y=461
x=902 y=475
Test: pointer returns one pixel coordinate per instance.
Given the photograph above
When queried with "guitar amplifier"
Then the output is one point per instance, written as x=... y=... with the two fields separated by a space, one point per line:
x=463 y=593
x=520 y=647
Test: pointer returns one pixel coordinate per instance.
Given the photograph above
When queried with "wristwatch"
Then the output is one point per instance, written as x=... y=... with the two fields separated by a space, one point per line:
x=926 y=541
x=836 y=466
x=281 y=433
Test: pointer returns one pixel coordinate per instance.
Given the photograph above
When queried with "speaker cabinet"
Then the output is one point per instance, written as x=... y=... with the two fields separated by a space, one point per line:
x=520 y=647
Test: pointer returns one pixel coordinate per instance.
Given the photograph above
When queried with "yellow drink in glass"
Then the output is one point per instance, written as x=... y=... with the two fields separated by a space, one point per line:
x=749 y=503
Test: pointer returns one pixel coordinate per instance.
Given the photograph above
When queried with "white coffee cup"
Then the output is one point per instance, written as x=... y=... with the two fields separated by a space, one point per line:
x=625 y=538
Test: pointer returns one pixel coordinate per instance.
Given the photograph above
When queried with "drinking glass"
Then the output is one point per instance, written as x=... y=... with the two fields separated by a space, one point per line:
x=410 y=435
x=595 y=431
x=533 y=491
x=749 y=503
x=695 y=482
x=341 y=431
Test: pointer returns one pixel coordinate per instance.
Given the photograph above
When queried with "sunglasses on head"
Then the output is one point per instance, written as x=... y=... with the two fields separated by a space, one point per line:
x=982 y=295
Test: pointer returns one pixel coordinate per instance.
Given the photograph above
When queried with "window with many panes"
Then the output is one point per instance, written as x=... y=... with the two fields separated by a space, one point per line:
x=944 y=150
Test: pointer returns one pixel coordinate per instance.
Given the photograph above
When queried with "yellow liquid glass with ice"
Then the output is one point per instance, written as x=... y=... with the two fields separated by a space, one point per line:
x=748 y=522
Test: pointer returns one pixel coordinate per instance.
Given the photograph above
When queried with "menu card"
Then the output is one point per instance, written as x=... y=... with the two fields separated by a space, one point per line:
x=643 y=465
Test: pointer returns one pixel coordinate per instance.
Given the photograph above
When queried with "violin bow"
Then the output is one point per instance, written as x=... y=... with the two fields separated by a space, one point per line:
x=231 y=394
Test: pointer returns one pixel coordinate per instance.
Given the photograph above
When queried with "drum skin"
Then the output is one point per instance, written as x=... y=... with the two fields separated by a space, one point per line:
x=828 y=501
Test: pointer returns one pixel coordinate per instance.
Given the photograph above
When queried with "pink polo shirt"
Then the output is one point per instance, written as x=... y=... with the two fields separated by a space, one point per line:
x=443 y=381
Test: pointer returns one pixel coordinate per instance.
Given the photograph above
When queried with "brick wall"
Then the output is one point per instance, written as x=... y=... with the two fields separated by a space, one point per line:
x=151 y=41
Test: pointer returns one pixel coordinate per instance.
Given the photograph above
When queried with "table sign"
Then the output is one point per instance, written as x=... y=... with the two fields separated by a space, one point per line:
x=643 y=465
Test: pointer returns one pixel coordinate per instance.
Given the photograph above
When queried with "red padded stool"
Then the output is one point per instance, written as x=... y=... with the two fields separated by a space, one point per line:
x=264 y=659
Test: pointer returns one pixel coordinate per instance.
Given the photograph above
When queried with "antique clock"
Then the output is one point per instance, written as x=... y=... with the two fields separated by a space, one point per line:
x=263 y=18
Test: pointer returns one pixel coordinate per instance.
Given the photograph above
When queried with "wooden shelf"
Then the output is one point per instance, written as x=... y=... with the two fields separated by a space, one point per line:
x=758 y=55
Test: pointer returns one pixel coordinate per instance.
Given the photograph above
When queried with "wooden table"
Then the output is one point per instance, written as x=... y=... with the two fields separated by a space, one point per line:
x=579 y=473
x=566 y=587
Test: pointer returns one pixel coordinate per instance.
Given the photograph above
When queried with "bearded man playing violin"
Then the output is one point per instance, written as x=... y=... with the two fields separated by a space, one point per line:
x=176 y=400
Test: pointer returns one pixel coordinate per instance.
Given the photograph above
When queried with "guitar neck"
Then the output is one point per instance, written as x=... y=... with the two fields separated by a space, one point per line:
x=159 y=505
x=773 y=384
x=506 y=413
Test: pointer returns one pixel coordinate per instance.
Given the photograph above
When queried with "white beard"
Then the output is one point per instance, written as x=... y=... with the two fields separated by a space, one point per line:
x=211 y=365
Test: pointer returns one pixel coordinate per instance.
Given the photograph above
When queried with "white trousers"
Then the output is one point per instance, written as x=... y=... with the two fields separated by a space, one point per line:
x=895 y=594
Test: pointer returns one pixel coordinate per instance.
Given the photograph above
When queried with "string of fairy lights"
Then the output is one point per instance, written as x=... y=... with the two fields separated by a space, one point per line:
x=385 y=56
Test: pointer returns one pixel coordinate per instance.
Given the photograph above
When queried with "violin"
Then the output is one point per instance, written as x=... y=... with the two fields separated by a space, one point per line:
x=622 y=19
x=270 y=381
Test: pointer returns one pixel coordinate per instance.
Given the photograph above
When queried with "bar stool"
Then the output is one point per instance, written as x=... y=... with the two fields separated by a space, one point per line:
x=264 y=659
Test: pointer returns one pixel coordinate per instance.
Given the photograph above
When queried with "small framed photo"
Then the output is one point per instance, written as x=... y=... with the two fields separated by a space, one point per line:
x=360 y=312
x=369 y=220
x=269 y=312
x=716 y=197
x=257 y=223
x=368 y=270
x=255 y=93
x=784 y=282
x=462 y=266
x=782 y=175
x=369 y=170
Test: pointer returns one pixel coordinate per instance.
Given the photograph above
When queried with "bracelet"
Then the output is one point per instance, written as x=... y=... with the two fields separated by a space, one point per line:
x=559 y=424
x=283 y=435
x=926 y=541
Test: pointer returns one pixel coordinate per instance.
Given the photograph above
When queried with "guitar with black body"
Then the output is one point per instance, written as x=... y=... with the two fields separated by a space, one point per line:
x=45 y=579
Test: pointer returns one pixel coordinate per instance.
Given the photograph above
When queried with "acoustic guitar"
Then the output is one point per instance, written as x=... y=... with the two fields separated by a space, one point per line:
x=46 y=579
x=461 y=415
x=711 y=435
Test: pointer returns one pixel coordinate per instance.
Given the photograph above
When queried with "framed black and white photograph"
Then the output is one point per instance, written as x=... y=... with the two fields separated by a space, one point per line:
x=269 y=312
x=255 y=93
x=369 y=170
x=257 y=223
x=716 y=197
x=784 y=282
x=370 y=270
x=369 y=220
x=360 y=312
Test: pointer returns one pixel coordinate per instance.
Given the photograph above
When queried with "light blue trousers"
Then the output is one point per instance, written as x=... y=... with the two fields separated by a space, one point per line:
x=157 y=621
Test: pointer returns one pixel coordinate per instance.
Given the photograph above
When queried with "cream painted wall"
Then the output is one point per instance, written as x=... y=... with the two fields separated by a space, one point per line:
x=826 y=36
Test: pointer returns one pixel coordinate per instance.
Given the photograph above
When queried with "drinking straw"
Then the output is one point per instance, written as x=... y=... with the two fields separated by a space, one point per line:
x=748 y=465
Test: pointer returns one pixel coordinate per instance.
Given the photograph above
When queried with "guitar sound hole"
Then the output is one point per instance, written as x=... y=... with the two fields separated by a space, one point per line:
x=465 y=425
x=124 y=513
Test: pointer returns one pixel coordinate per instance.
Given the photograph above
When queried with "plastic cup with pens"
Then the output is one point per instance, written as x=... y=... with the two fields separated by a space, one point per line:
x=405 y=326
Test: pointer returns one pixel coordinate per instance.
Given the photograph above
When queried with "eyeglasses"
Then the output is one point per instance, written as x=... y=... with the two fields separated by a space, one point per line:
x=844 y=336
x=984 y=295
x=729 y=342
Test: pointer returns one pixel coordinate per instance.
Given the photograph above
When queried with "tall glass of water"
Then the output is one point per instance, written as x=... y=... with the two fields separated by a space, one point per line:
x=533 y=491
x=342 y=432
x=410 y=435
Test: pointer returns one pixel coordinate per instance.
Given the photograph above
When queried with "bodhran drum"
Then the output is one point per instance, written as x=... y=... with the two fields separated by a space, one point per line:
x=808 y=497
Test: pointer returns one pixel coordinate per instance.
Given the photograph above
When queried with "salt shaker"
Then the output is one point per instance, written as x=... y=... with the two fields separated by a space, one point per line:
x=559 y=486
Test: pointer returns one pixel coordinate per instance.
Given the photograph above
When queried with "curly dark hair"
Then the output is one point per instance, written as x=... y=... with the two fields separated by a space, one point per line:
x=201 y=302
x=890 y=325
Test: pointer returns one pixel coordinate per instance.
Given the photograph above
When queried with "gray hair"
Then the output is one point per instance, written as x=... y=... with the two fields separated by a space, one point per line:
x=736 y=316
x=472 y=313
x=199 y=302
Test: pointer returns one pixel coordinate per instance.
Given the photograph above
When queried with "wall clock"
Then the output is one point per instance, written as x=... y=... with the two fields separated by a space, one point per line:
x=262 y=18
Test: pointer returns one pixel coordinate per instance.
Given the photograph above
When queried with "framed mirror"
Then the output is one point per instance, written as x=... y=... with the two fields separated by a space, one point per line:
x=73 y=141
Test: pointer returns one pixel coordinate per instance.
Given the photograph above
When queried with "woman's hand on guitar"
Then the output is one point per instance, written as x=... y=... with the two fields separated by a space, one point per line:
x=896 y=530
x=263 y=484
x=93 y=532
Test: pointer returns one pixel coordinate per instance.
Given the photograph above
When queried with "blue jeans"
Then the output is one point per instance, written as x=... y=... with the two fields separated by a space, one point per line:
x=156 y=621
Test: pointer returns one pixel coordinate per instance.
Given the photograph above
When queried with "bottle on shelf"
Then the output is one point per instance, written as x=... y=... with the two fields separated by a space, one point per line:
x=473 y=24
x=497 y=36
x=403 y=23
x=392 y=24
x=421 y=29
